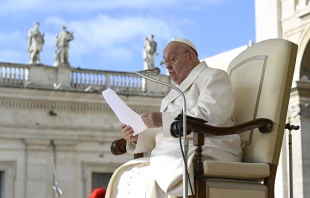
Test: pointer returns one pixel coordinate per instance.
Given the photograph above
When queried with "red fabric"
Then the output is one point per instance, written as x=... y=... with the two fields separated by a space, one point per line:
x=98 y=193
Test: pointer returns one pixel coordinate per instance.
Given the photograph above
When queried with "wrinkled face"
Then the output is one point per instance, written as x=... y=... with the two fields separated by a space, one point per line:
x=177 y=58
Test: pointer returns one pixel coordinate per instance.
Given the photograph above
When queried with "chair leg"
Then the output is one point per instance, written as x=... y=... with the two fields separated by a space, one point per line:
x=200 y=188
x=138 y=155
x=269 y=181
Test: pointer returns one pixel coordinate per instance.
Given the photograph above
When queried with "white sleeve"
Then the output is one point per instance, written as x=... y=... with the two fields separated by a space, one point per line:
x=215 y=102
x=145 y=143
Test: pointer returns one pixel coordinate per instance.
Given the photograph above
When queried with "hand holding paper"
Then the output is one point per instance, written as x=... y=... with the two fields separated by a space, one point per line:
x=124 y=113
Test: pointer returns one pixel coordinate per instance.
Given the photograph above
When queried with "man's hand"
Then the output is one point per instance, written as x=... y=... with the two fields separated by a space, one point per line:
x=127 y=132
x=152 y=119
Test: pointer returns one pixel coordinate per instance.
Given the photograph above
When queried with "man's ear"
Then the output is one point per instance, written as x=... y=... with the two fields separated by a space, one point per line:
x=191 y=56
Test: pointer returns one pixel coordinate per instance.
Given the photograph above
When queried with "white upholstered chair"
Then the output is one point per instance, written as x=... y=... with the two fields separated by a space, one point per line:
x=261 y=78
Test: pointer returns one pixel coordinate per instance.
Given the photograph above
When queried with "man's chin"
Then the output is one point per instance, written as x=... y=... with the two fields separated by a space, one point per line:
x=174 y=80
x=172 y=77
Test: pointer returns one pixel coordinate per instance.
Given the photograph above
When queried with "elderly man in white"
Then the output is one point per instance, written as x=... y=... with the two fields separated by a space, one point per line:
x=209 y=96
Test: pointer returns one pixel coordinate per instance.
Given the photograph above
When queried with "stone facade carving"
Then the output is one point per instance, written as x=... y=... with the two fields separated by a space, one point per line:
x=62 y=51
x=305 y=64
x=299 y=110
x=149 y=50
x=35 y=44
x=65 y=106
x=305 y=110
x=293 y=111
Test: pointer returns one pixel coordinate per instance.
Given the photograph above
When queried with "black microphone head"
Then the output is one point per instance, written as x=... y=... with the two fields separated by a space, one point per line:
x=154 y=71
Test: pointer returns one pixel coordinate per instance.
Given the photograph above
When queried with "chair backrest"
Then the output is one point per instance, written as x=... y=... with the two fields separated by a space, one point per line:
x=261 y=79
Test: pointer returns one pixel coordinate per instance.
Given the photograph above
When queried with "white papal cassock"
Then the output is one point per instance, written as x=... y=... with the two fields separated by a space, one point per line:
x=209 y=96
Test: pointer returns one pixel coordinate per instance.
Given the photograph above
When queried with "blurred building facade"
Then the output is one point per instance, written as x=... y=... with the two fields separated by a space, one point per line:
x=60 y=112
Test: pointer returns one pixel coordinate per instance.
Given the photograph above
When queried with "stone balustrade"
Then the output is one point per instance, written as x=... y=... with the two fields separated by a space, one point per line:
x=13 y=73
x=77 y=79
x=85 y=78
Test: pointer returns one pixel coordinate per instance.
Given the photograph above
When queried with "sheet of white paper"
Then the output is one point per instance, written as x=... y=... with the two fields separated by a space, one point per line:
x=124 y=113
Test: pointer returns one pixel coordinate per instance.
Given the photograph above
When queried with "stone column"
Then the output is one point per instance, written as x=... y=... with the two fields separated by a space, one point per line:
x=301 y=4
x=36 y=168
x=41 y=75
x=66 y=167
x=300 y=106
x=297 y=154
x=267 y=19
x=305 y=147
x=36 y=73
x=63 y=76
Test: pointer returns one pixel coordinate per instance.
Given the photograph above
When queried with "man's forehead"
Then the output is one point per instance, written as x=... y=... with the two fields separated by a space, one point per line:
x=171 y=48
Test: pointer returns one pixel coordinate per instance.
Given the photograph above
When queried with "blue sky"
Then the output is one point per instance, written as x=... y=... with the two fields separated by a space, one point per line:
x=109 y=33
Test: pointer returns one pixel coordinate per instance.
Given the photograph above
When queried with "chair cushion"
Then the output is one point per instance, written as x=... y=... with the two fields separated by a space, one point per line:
x=235 y=189
x=236 y=170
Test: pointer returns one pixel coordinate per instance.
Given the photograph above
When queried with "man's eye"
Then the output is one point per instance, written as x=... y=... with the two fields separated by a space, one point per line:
x=172 y=59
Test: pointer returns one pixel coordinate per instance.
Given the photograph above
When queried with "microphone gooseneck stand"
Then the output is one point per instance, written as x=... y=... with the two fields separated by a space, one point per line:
x=290 y=127
x=156 y=70
x=56 y=189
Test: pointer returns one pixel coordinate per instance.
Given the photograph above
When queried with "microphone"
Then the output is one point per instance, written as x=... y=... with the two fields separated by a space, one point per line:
x=56 y=189
x=154 y=72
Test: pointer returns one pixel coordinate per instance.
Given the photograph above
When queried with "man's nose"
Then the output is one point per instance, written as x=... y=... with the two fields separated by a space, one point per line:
x=168 y=65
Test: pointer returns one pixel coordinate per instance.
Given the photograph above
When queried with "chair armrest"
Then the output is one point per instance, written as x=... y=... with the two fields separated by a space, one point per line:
x=118 y=147
x=191 y=118
x=264 y=125
x=200 y=129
